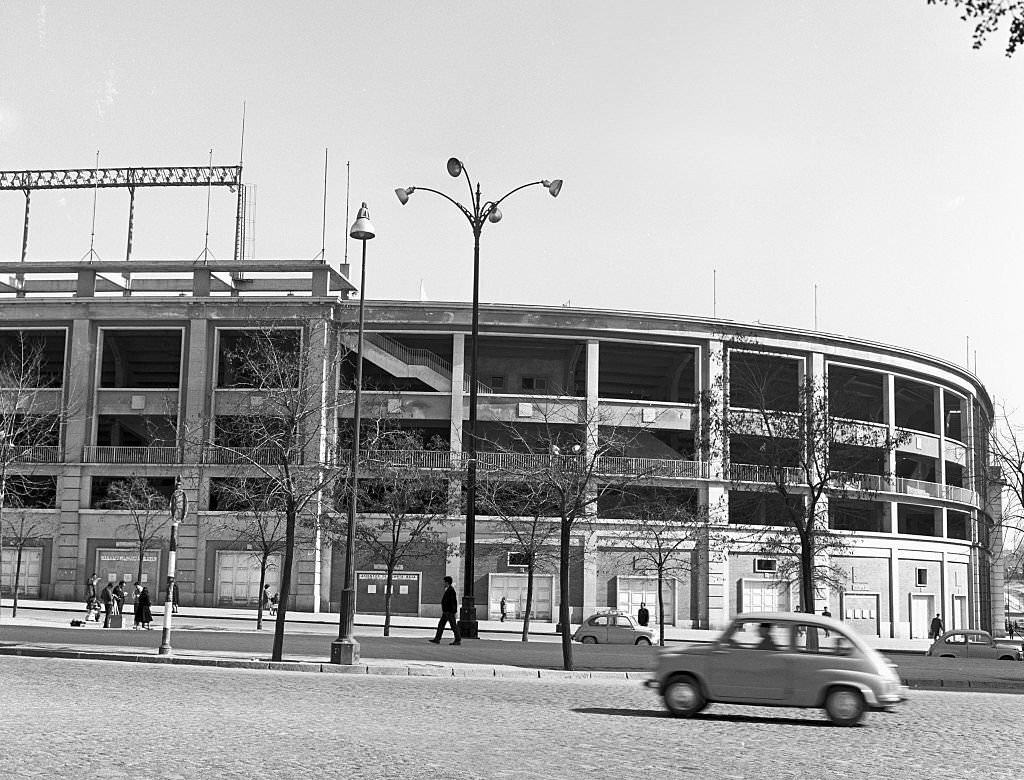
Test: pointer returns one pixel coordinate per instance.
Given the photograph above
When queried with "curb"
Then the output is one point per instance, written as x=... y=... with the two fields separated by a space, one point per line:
x=434 y=670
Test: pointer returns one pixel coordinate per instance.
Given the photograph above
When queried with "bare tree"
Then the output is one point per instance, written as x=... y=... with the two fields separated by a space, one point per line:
x=286 y=435
x=402 y=500
x=30 y=421
x=564 y=467
x=660 y=536
x=790 y=450
x=148 y=510
x=257 y=522
x=987 y=15
x=525 y=513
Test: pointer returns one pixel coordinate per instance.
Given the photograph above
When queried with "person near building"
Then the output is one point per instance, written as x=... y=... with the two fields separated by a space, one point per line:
x=109 y=604
x=935 y=628
x=643 y=616
x=504 y=609
x=144 y=609
x=449 y=606
x=826 y=613
x=273 y=604
x=174 y=597
x=119 y=596
x=265 y=598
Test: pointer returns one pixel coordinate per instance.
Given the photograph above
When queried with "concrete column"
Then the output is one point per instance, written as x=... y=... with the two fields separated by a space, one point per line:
x=457 y=411
x=889 y=401
x=940 y=425
x=712 y=576
x=714 y=389
x=79 y=382
x=895 y=597
x=593 y=374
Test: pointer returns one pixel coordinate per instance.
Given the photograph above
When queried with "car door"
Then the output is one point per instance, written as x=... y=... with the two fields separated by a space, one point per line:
x=751 y=663
x=621 y=630
x=597 y=627
x=980 y=646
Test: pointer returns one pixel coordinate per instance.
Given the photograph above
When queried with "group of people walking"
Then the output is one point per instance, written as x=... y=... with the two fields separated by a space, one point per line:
x=111 y=600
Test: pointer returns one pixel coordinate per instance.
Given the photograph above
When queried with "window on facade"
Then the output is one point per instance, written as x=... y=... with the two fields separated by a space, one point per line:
x=856 y=393
x=30 y=492
x=921 y=577
x=253 y=359
x=958 y=525
x=919 y=521
x=140 y=358
x=850 y=515
x=768 y=382
x=517 y=559
x=749 y=508
x=534 y=384
x=496 y=383
x=915 y=405
x=953 y=416
x=765 y=565
x=954 y=474
x=40 y=352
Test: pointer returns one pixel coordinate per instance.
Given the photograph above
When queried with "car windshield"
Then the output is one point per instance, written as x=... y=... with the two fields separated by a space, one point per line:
x=624 y=621
x=758 y=635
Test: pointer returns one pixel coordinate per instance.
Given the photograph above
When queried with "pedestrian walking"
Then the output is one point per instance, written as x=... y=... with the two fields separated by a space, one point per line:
x=643 y=616
x=107 y=599
x=449 y=606
x=143 y=610
x=936 y=627
x=265 y=599
x=826 y=613
x=503 y=609
x=273 y=604
x=174 y=597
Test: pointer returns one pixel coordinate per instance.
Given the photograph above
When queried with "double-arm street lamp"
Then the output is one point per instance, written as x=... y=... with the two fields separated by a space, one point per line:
x=478 y=214
x=345 y=649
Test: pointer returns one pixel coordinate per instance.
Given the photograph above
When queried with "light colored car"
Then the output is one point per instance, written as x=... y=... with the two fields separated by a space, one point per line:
x=783 y=659
x=962 y=643
x=614 y=628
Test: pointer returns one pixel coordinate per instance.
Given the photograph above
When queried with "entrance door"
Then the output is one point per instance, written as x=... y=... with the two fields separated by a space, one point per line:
x=31 y=571
x=634 y=591
x=513 y=588
x=922 y=609
x=958 y=613
x=238 y=578
x=759 y=596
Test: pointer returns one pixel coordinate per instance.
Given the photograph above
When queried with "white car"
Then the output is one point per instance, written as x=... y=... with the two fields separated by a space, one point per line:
x=614 y=628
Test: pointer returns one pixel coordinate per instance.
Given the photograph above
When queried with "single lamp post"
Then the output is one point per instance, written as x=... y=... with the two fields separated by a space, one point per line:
x=480 y=213
x=345 y=649
x=179 y=508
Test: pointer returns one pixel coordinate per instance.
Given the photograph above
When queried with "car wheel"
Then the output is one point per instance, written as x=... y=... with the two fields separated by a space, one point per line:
x=643 y=641
x=589 y=640
x=844 y=706
x=1007 y=658
x=683 y=697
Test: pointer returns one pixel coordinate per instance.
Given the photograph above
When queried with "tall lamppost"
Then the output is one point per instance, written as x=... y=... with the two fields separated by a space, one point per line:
x=345 y=649
x=178 y=508
x=480 y=213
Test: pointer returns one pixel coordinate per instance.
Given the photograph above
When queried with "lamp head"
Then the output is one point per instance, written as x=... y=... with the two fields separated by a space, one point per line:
x=495 y=215
x=454 y=167
x=403 y=194
x=362 y=228
x=554 y=187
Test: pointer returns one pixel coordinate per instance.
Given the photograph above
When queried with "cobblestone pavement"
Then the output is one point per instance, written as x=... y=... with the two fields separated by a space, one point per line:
x=75 y=719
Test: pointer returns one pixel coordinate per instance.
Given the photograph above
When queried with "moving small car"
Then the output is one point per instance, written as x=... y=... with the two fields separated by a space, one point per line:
x=962 y=643
x=782 y=659
x=613 y=627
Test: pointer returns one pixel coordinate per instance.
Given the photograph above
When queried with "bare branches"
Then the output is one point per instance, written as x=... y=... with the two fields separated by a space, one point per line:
x=987 y=15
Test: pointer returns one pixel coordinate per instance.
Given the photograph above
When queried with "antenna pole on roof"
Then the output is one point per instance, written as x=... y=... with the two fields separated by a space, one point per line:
x=240 y=208
x=348 y=184
x=95 y=189
x=209 y=188
x=323 y=220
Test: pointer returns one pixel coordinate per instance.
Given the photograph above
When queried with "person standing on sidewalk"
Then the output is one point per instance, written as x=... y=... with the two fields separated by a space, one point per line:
x=109 y=605
x=143 y=609
x=504 y=609
x=119 y=596
x=643 y=615
x=935 y=628
x=449 y=606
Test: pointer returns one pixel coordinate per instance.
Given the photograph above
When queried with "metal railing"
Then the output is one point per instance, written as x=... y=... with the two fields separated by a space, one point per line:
x=241 y=456
x=30 y=453
x=112 y=454
x=747 y=472
x=652 y=467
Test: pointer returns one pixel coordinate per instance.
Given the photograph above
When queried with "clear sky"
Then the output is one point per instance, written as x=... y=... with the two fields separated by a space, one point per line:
x=863 y=147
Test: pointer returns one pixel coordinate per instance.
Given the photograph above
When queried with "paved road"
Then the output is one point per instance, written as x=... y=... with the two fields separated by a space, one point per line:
x=306 y=642
x=107 y=720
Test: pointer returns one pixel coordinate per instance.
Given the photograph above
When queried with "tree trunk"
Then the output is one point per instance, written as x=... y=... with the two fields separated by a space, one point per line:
x=286 y=581
x=17 y=582
x=807 y=573
x=138 y=573
x=661 y=609
x=263 y=581
x=529 y=599
x=563 y=600
x=387 y=599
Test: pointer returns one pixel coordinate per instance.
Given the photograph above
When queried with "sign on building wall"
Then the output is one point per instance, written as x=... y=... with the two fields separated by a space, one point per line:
x=405 y=592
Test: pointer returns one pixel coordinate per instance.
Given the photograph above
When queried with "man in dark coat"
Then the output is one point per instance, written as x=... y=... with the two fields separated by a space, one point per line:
x=109 y=604
x=449 y=606
x=936 y=627
x=643 y=616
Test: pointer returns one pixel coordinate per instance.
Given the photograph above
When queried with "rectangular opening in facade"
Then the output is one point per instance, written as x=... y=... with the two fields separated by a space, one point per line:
x=29 y=491
x=646 y=372
x=853 y=459
x=768 y=451
x=102 y=497
x=767 y=382
x=763 y=508
x=129 y=430
x=140 y=358
x=654 y=443
x=253 y=359
x=857 y=394
x=919 y=467
x=954 y=474
x=958 y=525
x=953 y=415
x=915 y=405
x=851 y=515
x=548 y=366
x=918 y=521
x=40 y=353
x=658 y=505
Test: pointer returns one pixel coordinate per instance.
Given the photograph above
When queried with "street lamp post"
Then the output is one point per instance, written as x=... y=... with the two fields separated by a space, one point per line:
x=345 y=649
x=179 y=508
x=480 y=213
